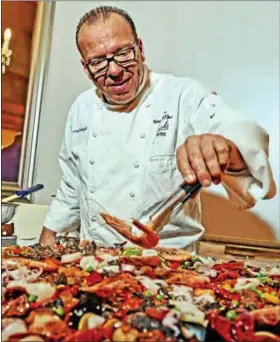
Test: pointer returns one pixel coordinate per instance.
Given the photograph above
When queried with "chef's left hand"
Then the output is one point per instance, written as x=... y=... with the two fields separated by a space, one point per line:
x=204 y=157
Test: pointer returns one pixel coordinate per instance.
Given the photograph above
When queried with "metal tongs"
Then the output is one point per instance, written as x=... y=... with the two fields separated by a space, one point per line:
x=153 y=219
x=160 y=213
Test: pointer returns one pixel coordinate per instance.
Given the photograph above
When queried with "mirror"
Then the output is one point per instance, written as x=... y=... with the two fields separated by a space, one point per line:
x=26 y=34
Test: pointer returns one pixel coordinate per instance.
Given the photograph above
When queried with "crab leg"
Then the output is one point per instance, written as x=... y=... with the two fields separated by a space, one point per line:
x=148 y=239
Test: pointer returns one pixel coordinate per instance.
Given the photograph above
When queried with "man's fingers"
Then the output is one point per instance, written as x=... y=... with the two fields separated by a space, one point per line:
x=211 y=159
x=197 y=161
x=184 y=164
x=47 y=237
x=203 y=158
x=223 y=153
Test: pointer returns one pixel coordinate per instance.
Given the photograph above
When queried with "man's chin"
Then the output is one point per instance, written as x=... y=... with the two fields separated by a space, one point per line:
x=121 y=99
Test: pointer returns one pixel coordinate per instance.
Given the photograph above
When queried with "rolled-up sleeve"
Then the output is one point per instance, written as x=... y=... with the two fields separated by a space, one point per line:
x=64 y=212
x=207 y=113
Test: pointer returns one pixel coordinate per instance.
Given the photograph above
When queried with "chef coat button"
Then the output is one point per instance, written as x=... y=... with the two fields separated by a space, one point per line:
x=142 y=135
x=94 y=219
x=148 y=105
x=136 y=165
x=92 y=190
x=95 y=134
x=132 y=194
x=91 y=162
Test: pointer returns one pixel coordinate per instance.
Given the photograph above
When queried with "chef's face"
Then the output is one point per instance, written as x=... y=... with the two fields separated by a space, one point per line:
x=117 y=79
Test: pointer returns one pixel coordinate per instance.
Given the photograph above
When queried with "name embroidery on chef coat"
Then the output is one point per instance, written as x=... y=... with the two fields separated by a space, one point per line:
x=80 y=130
x=163 y=125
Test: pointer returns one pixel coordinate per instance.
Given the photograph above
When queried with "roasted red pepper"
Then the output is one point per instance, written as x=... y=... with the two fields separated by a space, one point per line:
x=227 y=275
x=243 y=328
x=150 y=274
x=275 y=277
x=154 y=313
x=220 y=324
x=106 y=293
x=246 y=273
x=16 y=250
x=175 y=265
x=239 y=330
x=229 y=266
x=97 y=334
x=154 y=261
x=69 y=302
x=98 y=258
x=75 y=290
x=128 y=305
x=35 y=305
x=94 y=278
x=226 y=294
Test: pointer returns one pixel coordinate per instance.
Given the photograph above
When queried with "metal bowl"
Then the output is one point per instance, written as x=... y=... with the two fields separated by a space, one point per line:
x=8 y=241
x=8 y=211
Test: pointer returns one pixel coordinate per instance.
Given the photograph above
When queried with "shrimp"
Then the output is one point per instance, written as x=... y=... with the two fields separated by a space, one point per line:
x=47 y=265
x=148 y=239
x=188 y=279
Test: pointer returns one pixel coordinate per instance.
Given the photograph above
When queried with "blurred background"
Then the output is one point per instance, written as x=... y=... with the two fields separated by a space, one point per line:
x=17 y=25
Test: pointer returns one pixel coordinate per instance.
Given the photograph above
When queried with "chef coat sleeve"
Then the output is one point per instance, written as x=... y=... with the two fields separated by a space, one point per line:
x=205 y=112
x=64 y=212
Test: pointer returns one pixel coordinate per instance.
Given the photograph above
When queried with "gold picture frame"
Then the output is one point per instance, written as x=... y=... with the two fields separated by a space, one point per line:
x=40 y=50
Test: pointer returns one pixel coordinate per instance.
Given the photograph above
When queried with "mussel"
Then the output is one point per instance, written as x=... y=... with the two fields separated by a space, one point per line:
x=89 y=302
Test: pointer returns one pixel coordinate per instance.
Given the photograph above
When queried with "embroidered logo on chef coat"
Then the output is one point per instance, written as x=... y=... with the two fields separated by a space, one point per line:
x=80 y=130
x=163 y=124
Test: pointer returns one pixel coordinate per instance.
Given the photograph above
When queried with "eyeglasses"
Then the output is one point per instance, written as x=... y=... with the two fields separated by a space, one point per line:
x=123 y=57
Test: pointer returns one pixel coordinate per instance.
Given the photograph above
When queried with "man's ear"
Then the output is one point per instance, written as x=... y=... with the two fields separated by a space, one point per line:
x=86 y=69
x=141 y=48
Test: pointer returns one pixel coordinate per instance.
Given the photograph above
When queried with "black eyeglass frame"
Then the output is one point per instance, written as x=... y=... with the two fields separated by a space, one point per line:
x=98 y=73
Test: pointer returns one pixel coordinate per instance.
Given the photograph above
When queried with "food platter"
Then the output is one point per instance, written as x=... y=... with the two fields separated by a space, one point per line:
x=78 y=291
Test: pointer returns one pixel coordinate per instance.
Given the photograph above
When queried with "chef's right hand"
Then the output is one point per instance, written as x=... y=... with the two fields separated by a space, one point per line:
x=47 y=237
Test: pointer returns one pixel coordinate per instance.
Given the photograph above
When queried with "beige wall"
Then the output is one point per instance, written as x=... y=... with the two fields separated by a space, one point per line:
x=230 y=46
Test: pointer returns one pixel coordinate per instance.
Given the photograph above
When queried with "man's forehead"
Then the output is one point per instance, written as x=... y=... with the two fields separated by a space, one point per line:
x=114 y=28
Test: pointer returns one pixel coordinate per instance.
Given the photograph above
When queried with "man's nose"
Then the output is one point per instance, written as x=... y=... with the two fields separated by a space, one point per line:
x=114 y=69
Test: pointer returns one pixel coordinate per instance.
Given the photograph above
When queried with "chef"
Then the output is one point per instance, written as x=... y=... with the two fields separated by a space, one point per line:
x=136 y=135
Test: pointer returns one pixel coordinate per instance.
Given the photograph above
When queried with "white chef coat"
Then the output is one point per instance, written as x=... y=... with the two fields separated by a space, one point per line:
x=121 y=162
